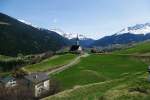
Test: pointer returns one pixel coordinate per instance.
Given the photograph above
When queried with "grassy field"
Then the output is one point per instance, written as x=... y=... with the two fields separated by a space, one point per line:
x=106 y=77
x=129 y=87
x=140 y=48
x=99 y=68
x=2 y=57
x=51 y=63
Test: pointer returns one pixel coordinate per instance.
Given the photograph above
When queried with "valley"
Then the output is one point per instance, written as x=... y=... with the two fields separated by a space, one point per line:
x=72 y=66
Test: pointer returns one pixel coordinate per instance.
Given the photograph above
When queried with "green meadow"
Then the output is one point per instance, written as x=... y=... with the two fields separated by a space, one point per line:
x=2 y=57
x=51 y=63
x=140 y=48
x=99 y=68
x=115 y=76
x=130 y=87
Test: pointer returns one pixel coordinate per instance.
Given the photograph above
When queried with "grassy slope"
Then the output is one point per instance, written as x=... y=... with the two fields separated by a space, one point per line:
x=107 y=77
x=50 y=63
x=2 y=57
x=130 y=87
x=140 y=48
x=98 y=68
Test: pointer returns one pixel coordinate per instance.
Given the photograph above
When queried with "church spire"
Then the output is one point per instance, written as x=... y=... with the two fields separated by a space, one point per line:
x=77 y=40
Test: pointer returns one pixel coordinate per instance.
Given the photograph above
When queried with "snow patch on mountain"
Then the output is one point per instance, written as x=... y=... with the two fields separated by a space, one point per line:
x=28 y=23
x=74 y=35
x=69 y=35
x=137 y=29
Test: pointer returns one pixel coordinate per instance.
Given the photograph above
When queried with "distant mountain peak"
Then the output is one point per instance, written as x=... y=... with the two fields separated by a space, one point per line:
x=137 y=29
x=69 y=35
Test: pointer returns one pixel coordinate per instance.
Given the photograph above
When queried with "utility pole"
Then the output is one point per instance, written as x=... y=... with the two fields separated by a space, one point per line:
x=149 y=73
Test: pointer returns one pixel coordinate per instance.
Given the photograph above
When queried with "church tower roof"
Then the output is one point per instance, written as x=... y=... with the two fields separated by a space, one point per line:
x=77 y=40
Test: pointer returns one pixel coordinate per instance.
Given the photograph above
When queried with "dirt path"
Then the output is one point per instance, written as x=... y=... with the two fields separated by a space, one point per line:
x=60 y=69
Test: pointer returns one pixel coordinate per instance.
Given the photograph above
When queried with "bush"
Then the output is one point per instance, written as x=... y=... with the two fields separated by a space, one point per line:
x=16 y=93
x=18 y=73
x=7 y=65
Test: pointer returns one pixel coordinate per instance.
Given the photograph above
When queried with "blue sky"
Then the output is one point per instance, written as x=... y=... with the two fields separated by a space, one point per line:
x=94 y=18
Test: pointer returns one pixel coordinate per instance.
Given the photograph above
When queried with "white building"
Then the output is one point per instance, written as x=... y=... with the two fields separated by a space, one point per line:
x=38 y=82
x=8 y=81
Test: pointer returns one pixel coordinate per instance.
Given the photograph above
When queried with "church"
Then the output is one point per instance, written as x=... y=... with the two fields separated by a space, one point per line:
x=76 y=48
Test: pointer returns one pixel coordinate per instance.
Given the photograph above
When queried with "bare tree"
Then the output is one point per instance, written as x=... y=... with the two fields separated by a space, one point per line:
x=16 y=93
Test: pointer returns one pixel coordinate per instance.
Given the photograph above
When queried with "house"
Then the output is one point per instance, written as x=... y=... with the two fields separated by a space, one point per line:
x=8 y=81
x=38 y=83
x=76 y=48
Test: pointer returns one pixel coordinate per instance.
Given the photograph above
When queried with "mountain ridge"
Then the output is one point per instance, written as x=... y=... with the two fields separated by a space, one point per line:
x=137 y=29
x=17 y=37
x=137 y=33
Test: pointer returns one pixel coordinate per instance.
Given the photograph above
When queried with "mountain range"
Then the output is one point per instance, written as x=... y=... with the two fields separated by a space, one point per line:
x=18 y=37
x=137 y=29
x=132 y=34
x=83 y=39
x=137 y=33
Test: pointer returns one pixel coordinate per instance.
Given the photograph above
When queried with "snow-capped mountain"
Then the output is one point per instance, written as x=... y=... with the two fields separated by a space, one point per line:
x=69 y=35
x=84 y=41
x=137 y=29
x=137 y=33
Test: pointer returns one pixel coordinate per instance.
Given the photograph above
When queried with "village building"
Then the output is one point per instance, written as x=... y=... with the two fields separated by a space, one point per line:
x=8 y=81
x=38 y=82
x=76 y=48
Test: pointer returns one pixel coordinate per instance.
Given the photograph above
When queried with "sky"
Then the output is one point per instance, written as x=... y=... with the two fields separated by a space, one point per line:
x=93 y=18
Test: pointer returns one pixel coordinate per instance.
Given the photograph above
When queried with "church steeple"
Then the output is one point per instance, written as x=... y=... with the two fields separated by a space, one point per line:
x=77 y=40
x=76 y=48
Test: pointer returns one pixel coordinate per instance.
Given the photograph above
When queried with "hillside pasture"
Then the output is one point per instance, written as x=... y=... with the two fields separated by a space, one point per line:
x=99 y=68
x=50 y=63
x=130 y=87
x=139 y=48
x=2 y=57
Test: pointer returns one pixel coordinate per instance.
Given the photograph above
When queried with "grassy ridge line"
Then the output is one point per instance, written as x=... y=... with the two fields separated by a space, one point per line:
x=140 y=48
x=51 y=63
x=93 y=91
x=26 y=67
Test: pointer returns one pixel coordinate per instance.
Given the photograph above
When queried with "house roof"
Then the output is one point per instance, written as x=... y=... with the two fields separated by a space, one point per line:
x=74 y=47
x=7 y=79
x=37 y=77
